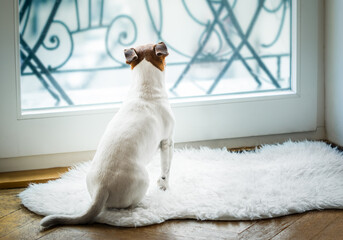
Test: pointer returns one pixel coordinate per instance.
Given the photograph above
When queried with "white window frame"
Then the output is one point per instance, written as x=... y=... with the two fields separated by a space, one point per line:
x=80 y=128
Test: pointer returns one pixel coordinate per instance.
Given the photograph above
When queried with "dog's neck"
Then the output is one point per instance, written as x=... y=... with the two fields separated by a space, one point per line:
x=148 y=82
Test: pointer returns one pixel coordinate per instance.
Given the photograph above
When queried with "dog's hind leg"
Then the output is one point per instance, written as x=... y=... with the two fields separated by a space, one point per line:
x=167 y=148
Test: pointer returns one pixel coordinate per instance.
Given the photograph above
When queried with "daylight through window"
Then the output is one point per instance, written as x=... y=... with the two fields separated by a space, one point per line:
x=71 y=52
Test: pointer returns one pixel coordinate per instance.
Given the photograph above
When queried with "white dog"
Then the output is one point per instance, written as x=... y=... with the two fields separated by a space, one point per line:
x=118 y=177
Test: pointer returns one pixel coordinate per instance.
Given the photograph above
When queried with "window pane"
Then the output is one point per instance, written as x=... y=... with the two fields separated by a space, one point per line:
x=72 y=51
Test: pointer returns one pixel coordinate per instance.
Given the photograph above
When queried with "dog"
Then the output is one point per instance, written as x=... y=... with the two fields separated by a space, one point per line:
x=118 y=177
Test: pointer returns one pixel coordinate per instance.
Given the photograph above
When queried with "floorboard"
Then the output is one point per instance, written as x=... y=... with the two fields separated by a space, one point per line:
x=8 y=202
x=334 y=230
x=309 y=225
x=266 y=229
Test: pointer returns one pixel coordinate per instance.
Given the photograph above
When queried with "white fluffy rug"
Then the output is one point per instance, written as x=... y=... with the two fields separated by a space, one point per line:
x=214 y=185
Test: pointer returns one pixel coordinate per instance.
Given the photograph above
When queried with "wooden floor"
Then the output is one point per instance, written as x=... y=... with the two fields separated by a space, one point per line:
x=16 y=222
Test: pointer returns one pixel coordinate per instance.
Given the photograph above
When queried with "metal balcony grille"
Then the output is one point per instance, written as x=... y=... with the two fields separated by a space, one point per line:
x=72 y=51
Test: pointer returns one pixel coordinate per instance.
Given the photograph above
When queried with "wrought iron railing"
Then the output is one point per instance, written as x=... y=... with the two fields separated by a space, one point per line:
x=222 y=15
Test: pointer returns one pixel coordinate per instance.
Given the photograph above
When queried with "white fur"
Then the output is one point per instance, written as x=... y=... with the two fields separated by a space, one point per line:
x=213 y=184
x=118 y=177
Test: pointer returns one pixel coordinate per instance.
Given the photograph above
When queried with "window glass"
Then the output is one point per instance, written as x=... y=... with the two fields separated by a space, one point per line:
x=71 y=52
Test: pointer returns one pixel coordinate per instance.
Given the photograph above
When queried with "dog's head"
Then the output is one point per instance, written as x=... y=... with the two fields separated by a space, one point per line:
x=153 y=53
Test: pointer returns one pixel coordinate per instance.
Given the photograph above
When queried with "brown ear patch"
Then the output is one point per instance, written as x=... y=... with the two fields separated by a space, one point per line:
x=155 y=54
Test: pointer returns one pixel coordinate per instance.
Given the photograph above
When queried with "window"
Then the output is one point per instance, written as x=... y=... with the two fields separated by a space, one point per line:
x=72 y=51
x=53 y=127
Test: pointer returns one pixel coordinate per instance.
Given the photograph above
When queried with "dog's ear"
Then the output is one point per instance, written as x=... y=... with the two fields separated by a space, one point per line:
x=130 y=55
x=161 y=49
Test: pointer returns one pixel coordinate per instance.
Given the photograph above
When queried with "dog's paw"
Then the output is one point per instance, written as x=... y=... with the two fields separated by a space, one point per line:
x=162 y=183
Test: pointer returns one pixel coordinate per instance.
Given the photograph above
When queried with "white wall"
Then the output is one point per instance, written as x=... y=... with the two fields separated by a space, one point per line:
x=334 y=70
x=63 y=159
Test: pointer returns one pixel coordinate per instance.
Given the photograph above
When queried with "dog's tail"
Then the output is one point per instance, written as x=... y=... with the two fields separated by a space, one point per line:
x=97 y=204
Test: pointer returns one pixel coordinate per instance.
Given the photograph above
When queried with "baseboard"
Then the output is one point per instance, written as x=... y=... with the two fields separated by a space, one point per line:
x=24 y=178
x=44 y=161
x=318 y=134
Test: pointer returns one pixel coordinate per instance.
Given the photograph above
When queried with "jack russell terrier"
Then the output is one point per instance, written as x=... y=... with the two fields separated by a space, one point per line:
x=118 y=177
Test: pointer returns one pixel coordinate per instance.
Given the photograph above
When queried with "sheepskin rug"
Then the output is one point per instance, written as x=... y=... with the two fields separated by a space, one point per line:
x=213 y=184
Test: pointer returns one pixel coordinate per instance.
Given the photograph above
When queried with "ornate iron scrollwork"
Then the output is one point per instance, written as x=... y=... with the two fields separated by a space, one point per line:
x=222 y=12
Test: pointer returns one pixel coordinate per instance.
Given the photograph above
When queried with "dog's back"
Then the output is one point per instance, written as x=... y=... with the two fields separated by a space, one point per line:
x=118 y=178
